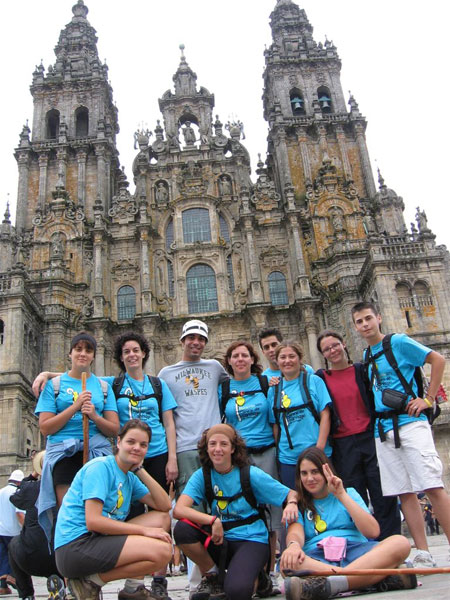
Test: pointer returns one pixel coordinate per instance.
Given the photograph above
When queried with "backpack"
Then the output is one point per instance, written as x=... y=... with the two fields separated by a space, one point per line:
x=279 y=408
x=227 y=394
x=432 y=412
x=57 y=385
x=157 y=391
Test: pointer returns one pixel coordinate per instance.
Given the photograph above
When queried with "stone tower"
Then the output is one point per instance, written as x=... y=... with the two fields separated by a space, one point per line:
x=198 y=238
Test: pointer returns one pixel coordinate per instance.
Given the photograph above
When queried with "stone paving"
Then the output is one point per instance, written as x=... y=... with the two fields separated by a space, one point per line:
x=436 y=587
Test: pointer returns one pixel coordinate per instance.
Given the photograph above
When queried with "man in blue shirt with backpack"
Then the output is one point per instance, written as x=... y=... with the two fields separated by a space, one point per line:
x=406 y=453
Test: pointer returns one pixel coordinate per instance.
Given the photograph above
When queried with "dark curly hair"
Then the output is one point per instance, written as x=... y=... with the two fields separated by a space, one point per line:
x=318 y=458
x=239 y=458
x=256 y=367
x=130 y=336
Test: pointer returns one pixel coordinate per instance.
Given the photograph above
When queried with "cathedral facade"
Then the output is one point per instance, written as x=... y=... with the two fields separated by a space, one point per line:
x=294 y=249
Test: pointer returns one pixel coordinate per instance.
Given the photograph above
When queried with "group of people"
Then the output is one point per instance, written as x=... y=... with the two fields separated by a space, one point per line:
x=235 y=439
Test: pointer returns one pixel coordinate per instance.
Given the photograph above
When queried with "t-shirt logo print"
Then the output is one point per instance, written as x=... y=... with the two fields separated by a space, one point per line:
x=319 y=524
x=119 y=501
x=193 y=380
x=221 y=504
x=74 y=394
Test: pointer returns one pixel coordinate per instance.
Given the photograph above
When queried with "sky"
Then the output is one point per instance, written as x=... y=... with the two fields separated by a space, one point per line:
x=394 y=57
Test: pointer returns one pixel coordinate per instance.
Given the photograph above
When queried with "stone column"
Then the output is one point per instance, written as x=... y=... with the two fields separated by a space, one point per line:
x=98 y=274
x=81 y=191
x=365 y=161
x=255 y=275
x=301 y=287
x=323 y=144
x=302 y=139
x=311 y=332
x=281 y=155
x=22 y=190
x=99 y=361
x=62 y=166
x=146 y=297
x=343 y=151
x=43 y=164
x=100 y=154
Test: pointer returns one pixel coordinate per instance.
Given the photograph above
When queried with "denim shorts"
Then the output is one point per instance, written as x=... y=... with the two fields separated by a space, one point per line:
x=354 y=551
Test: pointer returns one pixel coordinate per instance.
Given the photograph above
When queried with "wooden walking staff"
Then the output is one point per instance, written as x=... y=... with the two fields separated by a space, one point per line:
x=85 y=424
x=367 y=572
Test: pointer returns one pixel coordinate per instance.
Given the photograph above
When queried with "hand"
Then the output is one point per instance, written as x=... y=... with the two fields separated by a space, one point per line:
x=171 y=469
x=292 y=557
x=290 y=513
x=39 y=383
x=335 y=485
x=416 y=406
x=158 y=533
x=274 y=380
x=217 y=532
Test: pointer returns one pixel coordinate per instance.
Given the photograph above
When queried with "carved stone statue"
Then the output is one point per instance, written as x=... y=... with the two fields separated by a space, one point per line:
x=224 y=186
x=337 y=221
x=161 y=193
x=57 y=248
x=422 y=221
x=188 y=134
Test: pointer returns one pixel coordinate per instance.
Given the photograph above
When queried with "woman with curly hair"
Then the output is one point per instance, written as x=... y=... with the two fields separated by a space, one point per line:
x=244 y=403
x=234 y=534
x=332 y=529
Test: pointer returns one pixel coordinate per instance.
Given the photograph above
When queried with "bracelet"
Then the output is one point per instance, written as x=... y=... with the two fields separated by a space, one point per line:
x=214 y=519
x=293 y=542
x=138 y=469
x=292 y=502
x=428 y=395
x=427 y=401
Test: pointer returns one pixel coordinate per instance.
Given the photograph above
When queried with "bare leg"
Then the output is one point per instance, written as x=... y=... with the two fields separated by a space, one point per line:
x=441 y=507
x=60 y=491
x=388 y=554
x=413 y=515
x=273 y=549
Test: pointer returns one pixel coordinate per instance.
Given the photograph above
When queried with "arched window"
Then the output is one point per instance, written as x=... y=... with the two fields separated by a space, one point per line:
x=2 y=331
x=297 y=102
x=278 y=288
x=201 y=289
x=422 y=294
x=52 y=124
x=169 y=234
x=126 y=303
x=324 y=96
x=224 y=231
x=196 y=225
x=81 y=122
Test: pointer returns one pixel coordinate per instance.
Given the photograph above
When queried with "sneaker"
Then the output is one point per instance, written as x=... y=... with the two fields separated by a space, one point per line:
x=423 y=560
x=209 y=588
x=307 y=588
x=140 y=593
x=56 y=588
x=264 y=586
x=159 y=589
x=397 y=582
x=83 y=589
x=275 y=584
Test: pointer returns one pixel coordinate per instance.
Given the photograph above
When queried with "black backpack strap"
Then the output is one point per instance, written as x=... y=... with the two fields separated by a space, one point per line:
x=389 y=354
x=246 y=486
x=117 y=384
x=309 y=403
x=209 y=494
x=263 y=383
x=157 y=389
x=225 y=396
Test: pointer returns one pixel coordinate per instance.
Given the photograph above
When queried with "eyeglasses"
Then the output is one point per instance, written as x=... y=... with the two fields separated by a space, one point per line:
x=331 y=348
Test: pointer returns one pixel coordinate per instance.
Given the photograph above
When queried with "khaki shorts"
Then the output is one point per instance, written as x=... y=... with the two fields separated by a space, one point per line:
x=415 y=466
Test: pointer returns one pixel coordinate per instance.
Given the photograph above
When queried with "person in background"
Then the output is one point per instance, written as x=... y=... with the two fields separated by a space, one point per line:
x=269 y=340
x=354 y=454
x=11 y=521
x=333 y=528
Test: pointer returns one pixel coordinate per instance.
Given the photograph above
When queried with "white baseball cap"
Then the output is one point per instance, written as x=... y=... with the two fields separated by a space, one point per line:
x=195 y=326
x=16 y=475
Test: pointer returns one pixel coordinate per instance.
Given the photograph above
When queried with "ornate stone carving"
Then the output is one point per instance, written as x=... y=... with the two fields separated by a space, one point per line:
x=124 y=270
x=274 y=257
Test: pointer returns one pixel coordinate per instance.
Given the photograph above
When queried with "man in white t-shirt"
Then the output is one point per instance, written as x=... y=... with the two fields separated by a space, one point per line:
x=11 y=520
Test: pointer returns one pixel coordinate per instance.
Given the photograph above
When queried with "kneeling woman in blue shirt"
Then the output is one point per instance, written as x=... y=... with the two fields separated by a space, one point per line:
x=93 y=544
x=232 y=520
x=332 y=529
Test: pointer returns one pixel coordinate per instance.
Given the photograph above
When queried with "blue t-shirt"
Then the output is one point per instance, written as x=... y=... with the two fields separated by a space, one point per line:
x=409 y=354
x=146 y=410
x=303 y=428
x=250 y=414
x=332 y=518
x=265 y=489
x=69 y=390
x=99 y=479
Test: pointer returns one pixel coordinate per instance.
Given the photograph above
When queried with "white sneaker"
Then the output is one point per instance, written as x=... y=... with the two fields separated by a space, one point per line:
x=275 y=584
x=423 y=560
